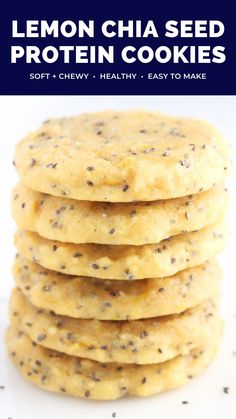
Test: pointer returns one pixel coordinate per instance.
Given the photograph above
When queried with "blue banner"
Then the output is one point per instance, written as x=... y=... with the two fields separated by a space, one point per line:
x=99 y=48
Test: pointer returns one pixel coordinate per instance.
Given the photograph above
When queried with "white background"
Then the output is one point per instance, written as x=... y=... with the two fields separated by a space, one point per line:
x=21 y=400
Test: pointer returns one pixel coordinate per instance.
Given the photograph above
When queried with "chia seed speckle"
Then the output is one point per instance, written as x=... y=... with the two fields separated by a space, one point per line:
x=125 y=188
x=41 y=337
x=32 y=162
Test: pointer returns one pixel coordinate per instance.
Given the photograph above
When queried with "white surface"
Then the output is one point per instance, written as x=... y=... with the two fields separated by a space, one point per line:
x=21 y=400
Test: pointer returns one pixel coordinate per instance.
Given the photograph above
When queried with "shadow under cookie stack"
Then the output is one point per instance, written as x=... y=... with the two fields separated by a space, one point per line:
x=120 y=216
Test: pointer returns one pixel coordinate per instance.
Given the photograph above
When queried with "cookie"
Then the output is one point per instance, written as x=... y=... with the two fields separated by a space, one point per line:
x=92 y=298
x=95 y=222
x=89 y=379
x=122 y=157
x=147 y=341
x=124 y=262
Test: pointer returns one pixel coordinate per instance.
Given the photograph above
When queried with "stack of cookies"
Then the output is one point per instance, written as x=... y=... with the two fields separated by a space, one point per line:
x=120 y=217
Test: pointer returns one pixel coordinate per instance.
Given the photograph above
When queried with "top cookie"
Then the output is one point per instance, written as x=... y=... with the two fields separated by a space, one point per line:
x=122 y=157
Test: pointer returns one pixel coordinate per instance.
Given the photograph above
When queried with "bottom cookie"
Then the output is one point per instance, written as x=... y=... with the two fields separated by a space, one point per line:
x=84 y=378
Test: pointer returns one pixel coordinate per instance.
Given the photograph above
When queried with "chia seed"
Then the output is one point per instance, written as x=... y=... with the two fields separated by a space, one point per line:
x=41 y=337
x=125 y=188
